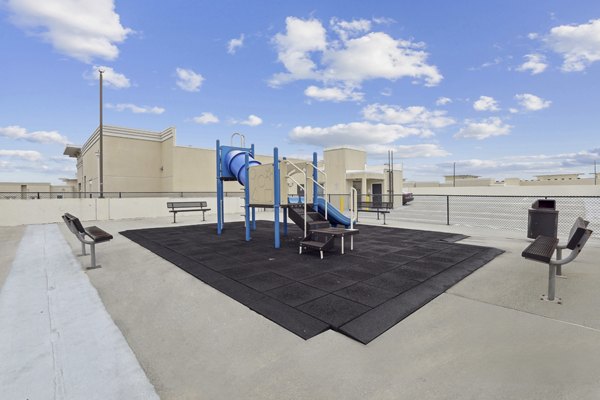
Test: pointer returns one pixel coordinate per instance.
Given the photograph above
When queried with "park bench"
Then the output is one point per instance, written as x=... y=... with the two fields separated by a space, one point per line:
x=91 y=236
x=543 y=247
x=379 y=207
x=185 y=206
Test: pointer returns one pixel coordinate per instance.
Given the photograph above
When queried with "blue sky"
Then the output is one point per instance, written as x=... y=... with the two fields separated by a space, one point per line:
x=502 y=88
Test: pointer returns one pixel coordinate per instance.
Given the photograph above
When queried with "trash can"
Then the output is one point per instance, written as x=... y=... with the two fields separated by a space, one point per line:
x=542 y=219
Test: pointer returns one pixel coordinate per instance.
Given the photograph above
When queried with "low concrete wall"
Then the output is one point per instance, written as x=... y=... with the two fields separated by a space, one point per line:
x=546 y=190
x=24 y=212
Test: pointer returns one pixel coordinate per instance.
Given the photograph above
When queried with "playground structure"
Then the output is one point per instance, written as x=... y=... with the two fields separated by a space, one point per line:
x=268 y=186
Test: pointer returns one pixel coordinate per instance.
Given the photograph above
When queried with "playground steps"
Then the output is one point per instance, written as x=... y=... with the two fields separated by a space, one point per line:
x=317 y=241
x=314 y=220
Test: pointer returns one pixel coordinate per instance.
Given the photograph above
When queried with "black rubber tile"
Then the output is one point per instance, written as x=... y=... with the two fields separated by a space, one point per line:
x=242 y=271
x=365 y=294
x=298 y=272
x=334 y=310
x=392 y=282
x=329 y=282
x=296 y=293
x=353 y=273
x=237 y=291
x=266 y=281
x=289 y=318
x=373 y=323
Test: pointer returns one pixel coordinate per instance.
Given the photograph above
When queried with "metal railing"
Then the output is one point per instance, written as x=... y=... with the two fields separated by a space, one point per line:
x=32 y=195
x=484 y=211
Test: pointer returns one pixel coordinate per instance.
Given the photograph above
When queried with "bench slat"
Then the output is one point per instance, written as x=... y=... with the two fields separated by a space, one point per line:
x=97 y=234
x=541 y=249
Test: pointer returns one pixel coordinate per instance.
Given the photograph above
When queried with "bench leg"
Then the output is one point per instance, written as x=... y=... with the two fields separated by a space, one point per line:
x=559 y=273
x=384 y=219
x=83 y=253
x=203 y=218
x=551 y=285
x=93 y=252
x=174 y=214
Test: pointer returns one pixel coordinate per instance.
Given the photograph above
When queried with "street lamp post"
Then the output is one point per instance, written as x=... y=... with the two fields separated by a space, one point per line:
x=101 y=172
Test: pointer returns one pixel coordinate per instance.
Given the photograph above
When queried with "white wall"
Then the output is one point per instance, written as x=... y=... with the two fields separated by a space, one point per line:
x=24 y=212
x=557 y=190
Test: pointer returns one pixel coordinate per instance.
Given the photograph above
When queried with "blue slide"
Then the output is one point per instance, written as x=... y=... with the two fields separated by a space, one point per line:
x=235 y=161
x=335 y=216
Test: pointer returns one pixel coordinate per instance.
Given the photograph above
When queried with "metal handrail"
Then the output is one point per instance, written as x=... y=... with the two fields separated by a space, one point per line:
x=353 y=212
x=299 y=184
x=322 y=186
x=242 y=139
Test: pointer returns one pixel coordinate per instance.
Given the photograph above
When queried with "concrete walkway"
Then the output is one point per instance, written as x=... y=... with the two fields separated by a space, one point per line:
x=56 y=339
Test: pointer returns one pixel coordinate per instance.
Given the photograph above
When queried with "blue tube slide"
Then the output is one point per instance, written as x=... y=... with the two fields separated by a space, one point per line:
x=334 y=215
x=235 y=161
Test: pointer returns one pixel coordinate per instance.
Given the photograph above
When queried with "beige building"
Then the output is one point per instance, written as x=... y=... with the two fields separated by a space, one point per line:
x=146 y=161
x=37 y=190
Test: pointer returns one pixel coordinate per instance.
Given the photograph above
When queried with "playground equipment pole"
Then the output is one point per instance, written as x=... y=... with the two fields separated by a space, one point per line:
x=247 y=197
x=253 y=208
x=219 y=190
x=315 y=180
x=276 y=195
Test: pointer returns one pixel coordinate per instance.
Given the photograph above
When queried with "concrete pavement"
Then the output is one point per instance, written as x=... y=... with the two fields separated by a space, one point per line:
x=488 y=337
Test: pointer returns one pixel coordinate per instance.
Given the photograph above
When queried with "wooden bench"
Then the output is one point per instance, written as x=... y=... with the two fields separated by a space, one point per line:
x=381 y=211
x=543 y=247
x=185 y=206
x=91 y=236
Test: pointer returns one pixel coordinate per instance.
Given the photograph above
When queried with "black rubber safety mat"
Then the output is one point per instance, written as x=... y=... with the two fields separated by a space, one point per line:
x=391 y=273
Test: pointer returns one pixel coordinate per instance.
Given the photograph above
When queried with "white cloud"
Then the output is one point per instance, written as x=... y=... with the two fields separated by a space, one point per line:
x=408 y=151
x=252 y=120
x=579 y=45
x=29 y=155
x=374 y=55
x=84 y=30
x=136 y=109
x=483 y=129
x=294 y=47
x=353 y=134
x=18 y=133
x=188 y=80
x=347 y=29
x=532 y=102
x=486 y=103
x=334 y=94
x=235 y=44
x=206 y=118
x=414 y=116
x=536 y=63
x=442 y=101
x=110 y=77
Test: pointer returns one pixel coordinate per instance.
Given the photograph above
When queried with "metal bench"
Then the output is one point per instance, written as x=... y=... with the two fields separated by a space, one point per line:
x=542 y=249
x=91 y=236
x=376 y=210
x=185 y=206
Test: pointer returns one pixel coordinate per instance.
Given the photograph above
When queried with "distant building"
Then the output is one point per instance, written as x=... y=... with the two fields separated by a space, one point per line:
x=148 y=161
x=35 y=190
x=558 y=177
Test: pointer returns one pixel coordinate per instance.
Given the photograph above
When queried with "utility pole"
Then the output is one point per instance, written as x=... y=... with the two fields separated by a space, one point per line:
x=454 y=175
x=101 y=172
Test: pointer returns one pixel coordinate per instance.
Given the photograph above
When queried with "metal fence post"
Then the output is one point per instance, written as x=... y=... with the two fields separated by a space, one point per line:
x=38 y=195
x=447 y=210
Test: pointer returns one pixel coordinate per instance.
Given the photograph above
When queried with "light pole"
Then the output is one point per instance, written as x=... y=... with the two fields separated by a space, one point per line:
x=101 y=172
